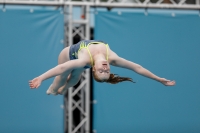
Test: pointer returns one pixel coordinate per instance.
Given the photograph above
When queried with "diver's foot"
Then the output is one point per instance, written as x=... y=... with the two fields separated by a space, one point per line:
x=50 y=91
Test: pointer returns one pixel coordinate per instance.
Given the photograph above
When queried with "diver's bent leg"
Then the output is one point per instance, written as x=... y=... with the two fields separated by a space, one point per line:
x=60 y=79
x=58 y=82
x=62 y=87
x=72 y=80
x=68 y=84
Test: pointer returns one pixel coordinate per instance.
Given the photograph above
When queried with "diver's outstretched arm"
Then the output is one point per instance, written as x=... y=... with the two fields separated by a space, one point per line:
x=58 y=70
x=120 y=62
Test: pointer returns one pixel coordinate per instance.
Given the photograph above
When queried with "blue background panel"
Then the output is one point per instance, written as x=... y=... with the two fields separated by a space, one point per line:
x=166 y=42
x=29 y=45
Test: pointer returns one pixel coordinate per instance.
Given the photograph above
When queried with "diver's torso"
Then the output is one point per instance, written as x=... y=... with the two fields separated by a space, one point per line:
x=88 y=49
x=95 y=47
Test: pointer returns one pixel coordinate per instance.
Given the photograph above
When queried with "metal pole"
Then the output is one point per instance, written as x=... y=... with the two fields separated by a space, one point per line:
x=87 y=101
x=65 y=26
x=70 y=25
x=87 y=15
x=70 y=97
x=70 y=110
x=87 y=74
x=66 y=114
x=83 y=107
x=197 y=2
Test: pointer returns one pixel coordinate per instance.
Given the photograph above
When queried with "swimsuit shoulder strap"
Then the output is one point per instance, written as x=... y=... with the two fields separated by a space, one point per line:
x=91 y=59
x=92 y=62
x=85 y=45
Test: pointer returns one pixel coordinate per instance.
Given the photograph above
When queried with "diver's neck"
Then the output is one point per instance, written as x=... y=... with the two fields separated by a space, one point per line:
x=99 y=57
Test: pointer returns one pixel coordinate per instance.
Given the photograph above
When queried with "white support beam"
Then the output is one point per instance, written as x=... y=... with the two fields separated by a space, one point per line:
x=80 y=21
x=130 y=4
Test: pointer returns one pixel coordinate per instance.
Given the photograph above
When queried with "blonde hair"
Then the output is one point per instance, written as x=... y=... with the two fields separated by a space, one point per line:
x=113 y=78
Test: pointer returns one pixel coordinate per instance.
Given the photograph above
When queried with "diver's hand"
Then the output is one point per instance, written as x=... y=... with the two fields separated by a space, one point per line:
x=167 y=82
x=35 y=83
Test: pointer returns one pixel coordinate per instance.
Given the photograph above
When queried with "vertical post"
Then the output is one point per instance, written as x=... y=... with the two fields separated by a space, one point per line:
x=197 y=2
x=82 y=96
x=82 y=129
x=66 y=95
x=87 y=101
x=70 y=114
x=87 y=16
x=84 y=107
x=65 y=12
x=87 y=74
x=70 y=25
x=70 y=42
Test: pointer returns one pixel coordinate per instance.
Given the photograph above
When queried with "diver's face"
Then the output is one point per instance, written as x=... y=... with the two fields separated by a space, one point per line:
x=102 y=70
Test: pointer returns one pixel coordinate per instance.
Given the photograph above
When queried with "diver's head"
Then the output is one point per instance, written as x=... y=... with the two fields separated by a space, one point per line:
x=101 y=71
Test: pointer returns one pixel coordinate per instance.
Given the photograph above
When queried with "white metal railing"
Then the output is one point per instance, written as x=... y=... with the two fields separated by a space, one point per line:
x=176 y=4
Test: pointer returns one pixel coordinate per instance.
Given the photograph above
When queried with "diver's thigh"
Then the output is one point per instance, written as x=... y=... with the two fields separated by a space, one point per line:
x=64 y=56
x=76 y=74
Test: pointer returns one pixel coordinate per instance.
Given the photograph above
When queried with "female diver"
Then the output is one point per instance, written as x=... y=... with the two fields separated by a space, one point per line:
x=93 y=54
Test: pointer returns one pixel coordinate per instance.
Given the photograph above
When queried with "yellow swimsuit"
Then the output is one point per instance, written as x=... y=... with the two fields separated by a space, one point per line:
x=74 y=49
